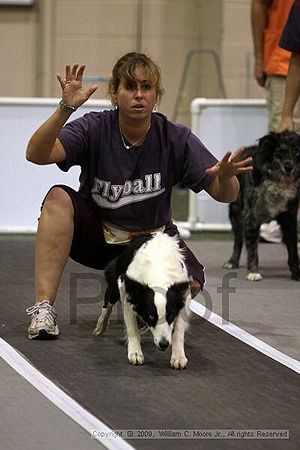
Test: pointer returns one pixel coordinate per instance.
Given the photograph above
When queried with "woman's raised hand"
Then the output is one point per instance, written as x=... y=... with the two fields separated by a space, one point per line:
x=231 y=165
x=71 y=85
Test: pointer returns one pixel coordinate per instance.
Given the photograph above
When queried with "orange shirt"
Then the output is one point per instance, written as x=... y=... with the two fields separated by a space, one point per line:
x=276 y=59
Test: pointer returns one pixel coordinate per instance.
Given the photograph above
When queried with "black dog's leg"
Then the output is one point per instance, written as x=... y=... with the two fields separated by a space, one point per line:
x=235 y=215
x=288 y=223
x=251 y=239
x=111 y=297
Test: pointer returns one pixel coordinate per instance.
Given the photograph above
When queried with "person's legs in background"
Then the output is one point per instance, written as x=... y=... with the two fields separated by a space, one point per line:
x=275 y=86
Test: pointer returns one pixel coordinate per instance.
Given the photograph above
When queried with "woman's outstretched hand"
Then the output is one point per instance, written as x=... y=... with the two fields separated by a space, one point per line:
x=225 y=186
x=231 y=165
x=71 y=85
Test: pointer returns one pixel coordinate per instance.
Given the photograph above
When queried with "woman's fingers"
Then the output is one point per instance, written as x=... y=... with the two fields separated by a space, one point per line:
x=68 y=70
x=60 y=79
x=244 y=162
x=71 y=85
x=226 y=157
x=91 y=90
x=80 y=72
x=237 y=154
x=73 y=72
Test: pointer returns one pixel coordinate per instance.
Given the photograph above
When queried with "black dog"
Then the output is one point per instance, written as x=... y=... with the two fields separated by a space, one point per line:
x=270 y=192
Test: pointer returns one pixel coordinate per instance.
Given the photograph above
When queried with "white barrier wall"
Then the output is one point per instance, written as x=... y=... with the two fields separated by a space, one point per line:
x=23 y=185
x=222 y=125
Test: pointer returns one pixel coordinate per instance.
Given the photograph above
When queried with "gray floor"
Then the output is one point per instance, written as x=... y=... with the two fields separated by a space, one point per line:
x=268 y=309
x=30 y=421
x=227 y=384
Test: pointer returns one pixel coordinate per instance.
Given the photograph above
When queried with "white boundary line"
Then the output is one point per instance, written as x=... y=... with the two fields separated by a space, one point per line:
x=65 y=403
x=243 y=336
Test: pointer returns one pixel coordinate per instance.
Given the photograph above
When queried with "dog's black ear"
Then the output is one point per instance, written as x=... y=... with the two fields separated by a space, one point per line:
x=263 y=153
x=292 y=140
x=177 y=292
x=180 y=288
x=176 y=298
x=266 y=147
x=135 y=289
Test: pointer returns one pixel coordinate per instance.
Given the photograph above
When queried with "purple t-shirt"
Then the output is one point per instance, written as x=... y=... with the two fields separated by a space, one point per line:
x=132 y=188
x=290 y=38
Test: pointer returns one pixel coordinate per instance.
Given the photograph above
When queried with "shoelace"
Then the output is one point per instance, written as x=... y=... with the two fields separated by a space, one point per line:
x=42 y=309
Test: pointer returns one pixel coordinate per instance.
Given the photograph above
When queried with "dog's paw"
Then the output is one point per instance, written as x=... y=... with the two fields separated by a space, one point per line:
x=136 y=358
x=254 y=276
x=178 y=361
x=230 y=265
x=100 y=328
x=103 y=322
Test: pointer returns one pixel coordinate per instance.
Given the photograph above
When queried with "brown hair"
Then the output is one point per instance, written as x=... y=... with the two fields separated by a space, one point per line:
x=125 y=69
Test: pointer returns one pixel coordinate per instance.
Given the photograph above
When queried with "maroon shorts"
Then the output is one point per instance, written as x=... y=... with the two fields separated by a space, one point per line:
x=90 y=249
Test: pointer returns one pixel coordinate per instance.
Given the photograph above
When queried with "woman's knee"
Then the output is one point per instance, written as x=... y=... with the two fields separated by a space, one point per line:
x=58 y=201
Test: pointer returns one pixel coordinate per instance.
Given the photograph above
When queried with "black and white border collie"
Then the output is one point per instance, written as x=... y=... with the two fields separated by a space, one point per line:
x=151 y=279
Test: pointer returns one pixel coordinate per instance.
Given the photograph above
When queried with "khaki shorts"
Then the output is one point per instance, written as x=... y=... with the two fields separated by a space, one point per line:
x=275 y=87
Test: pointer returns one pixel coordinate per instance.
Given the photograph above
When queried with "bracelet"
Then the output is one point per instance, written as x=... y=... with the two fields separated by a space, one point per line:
x=67 y=108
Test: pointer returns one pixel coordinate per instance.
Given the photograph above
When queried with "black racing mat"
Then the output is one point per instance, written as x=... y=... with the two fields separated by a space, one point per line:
x=227 y=385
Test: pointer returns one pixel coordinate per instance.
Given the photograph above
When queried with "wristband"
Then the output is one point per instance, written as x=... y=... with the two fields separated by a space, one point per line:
x=67 y=108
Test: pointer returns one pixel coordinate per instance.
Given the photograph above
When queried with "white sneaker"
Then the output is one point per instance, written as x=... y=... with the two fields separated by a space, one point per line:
x=271 y=232
x=43 y=322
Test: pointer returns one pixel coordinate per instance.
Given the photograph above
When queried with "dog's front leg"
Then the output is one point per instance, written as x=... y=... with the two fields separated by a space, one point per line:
x=236 y=219
x=103 y=320
x=178 y=358
x=134 y=351
x=251 y=238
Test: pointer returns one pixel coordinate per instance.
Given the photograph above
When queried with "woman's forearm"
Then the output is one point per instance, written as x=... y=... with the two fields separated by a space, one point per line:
x=224 y=190
x=43 y=147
